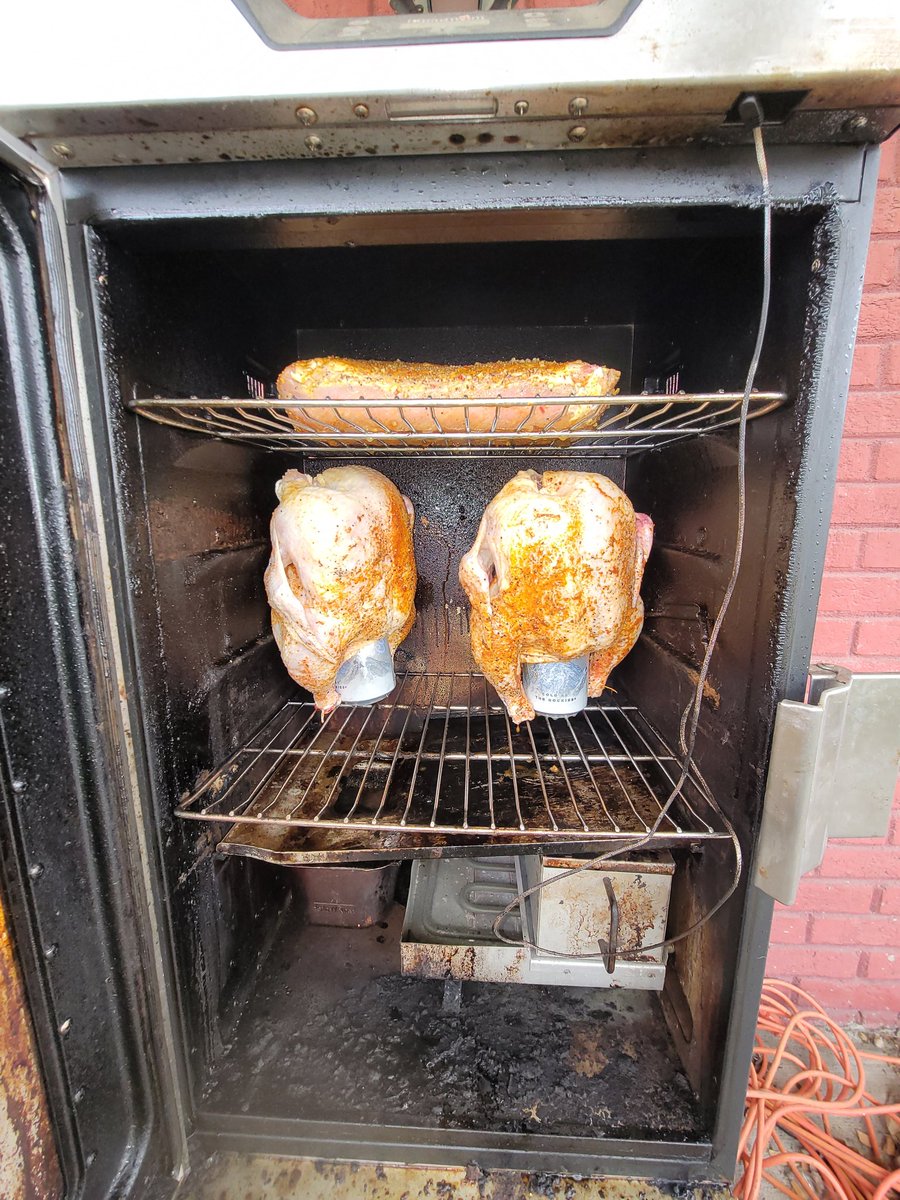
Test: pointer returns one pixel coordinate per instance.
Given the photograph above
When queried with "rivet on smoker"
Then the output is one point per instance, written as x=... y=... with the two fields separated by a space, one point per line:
x=51 y=951
x=577 y=133
x=578 y=106
x=313 y=143
x=520 y=108
x=19 y=785
x=61 y=150
x=36 y=870
x=361 y=111
x=65 y=1027
x=4 y=691
x=306 y=115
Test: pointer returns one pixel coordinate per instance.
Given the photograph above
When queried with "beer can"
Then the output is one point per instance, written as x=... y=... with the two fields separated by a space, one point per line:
x=368 y=676
x=557 y=689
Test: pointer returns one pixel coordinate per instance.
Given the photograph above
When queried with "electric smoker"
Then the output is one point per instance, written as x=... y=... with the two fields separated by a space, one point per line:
x=165 y=781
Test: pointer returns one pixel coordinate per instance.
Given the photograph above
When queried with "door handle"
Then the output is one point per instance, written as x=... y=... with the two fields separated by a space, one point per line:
x=832 y=772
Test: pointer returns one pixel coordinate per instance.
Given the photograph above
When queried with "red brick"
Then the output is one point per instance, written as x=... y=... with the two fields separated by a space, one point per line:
x=887 y=210
x=881 y=264
x=889 y=165
x=791 y=961
x=844 y=548
x=874 y=1003
x=867 y=365
x=833 y=636
x=857 y=459
x=849 y=861
x=883 y=964
x=789 y=928
x=882 y=549
x=835 y=896
x=884 y=662
x=879 y=315
x=887 y=459
x=890 y=365
x=866 y=504
x=865 y=931
x=878 y=637
x=857 y=592
x=870 y=414
x=890 y=899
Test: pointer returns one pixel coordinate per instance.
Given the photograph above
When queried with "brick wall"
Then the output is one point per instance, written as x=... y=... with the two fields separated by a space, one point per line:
x=841 y=940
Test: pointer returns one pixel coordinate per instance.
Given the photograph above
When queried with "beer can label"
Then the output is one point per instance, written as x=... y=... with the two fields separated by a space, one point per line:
x=557 y=689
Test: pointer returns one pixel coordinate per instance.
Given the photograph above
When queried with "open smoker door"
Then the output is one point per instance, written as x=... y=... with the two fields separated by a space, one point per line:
x=66 y=868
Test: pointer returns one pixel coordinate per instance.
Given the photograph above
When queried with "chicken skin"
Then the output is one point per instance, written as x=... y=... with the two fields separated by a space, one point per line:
x=554 y=574
x=341 y=573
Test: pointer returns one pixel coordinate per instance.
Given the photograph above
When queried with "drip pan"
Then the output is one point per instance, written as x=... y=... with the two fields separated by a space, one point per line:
x=453 y=903
x=353 y=897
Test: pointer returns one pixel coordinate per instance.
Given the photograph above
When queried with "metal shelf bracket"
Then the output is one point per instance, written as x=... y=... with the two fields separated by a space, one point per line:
x=832 y=773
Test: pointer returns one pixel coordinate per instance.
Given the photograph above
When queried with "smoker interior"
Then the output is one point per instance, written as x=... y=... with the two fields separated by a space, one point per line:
x=285 y=1020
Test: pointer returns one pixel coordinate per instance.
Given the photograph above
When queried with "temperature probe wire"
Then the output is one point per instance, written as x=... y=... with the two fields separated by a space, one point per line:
x=690 y=718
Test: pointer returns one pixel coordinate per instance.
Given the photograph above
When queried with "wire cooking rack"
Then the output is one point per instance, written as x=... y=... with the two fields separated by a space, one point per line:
x=441 y=756
x=612 y=426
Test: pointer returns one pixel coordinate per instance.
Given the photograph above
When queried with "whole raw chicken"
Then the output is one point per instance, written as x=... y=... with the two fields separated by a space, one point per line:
x=554 y=574
x=341 y=573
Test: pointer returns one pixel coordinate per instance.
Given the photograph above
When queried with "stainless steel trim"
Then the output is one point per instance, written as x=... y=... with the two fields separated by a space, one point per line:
x=151 y=91
x=446 y=108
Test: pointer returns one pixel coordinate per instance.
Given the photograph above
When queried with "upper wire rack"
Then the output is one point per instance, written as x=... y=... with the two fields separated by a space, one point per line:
x=441 y=756
x=613 y=426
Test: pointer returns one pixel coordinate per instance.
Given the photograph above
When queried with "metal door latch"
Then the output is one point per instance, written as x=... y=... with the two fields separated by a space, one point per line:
x=832 y=773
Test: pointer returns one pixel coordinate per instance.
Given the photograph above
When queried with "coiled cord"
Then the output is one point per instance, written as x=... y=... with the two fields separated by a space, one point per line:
x=805 y=1072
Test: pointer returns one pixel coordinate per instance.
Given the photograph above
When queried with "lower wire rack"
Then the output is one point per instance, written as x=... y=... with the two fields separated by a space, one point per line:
x=441 y=757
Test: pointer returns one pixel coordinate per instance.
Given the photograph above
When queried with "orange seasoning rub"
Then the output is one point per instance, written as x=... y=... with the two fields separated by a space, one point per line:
x=341 y=574
x=554 y=574
x=532 y=380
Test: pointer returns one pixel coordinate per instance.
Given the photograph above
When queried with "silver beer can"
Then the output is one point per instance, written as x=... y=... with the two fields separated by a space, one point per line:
x=557 y=689
x=368 y=676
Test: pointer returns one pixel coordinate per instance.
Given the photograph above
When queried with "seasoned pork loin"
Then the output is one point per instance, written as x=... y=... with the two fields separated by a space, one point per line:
x=554 y=574
x=341 y=573
x=351 y=379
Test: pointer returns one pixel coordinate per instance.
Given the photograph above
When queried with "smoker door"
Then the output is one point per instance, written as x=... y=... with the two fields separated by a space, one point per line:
x=64 y=873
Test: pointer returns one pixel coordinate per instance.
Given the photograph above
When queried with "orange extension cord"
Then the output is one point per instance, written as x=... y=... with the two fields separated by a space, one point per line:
x=805 y=1071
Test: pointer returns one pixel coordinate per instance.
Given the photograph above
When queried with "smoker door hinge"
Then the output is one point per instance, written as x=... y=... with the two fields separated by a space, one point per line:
x=832 y=773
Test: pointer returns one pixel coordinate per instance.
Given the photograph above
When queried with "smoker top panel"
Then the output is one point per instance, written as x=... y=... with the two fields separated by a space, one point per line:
x=186 y=83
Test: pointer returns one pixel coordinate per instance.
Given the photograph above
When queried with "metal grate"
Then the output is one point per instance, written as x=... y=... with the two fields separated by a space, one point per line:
x=441 y=756
x=619 y=424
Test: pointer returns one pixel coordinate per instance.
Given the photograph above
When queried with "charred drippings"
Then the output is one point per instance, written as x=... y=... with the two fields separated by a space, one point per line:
x=362 y=1039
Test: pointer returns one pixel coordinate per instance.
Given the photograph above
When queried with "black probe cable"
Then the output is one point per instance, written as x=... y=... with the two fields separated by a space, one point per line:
x=690 y=719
